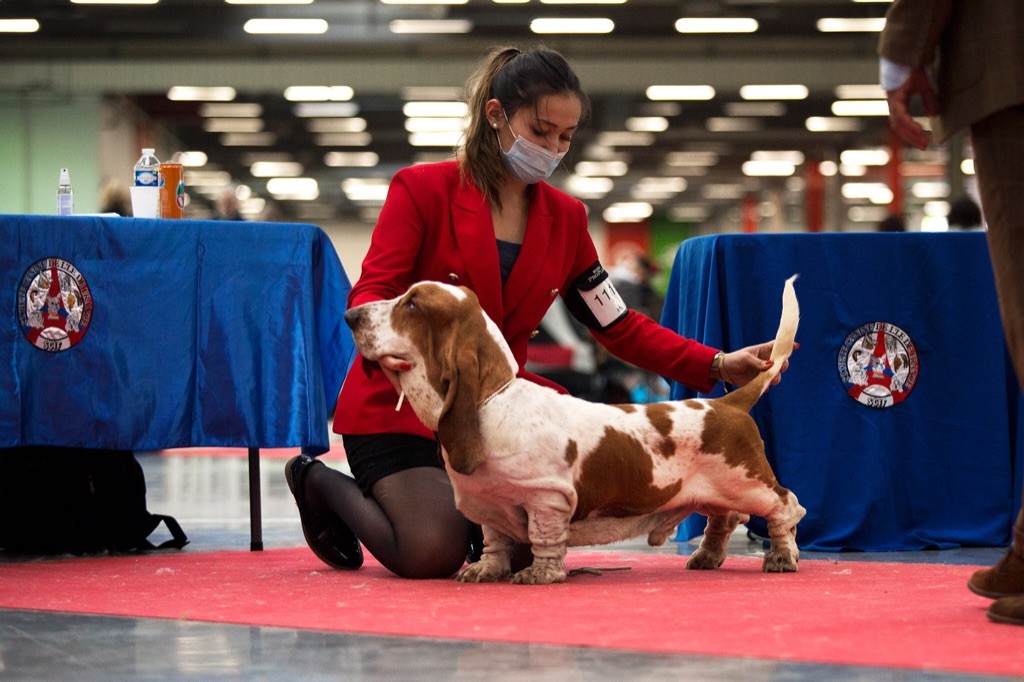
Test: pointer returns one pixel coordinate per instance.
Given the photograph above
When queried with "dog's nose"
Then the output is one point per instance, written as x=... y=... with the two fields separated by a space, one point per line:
x=353 y=317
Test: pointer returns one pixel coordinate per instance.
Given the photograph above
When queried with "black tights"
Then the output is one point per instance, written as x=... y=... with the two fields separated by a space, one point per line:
x=409 y=522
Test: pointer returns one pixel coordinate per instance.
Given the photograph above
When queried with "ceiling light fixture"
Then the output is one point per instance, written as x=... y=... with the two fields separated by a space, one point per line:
x=647 y=124
x=846 y=25
x=550 y=25
x=269 y=2
x=293 y=188
x=627 y=212
x=336 y=125
x=18 y=25
x=231 y=110
x=717 y=25
x=774 y=92
x=829 y=124
x=405 y=26
x=860 y=107
x=436 y=139
x=318 y=93
x=435 y=109
x=866 y=91
x=270 y=169
x=233 y=125
x=286 y=26
x=351 y=159
x=681 y=92
x=189 y=93
x=326 y=109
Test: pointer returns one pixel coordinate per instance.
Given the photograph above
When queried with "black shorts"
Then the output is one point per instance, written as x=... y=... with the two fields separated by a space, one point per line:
x=374 y=456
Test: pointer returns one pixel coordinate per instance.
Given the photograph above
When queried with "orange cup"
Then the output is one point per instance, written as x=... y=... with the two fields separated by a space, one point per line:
x=172 y=190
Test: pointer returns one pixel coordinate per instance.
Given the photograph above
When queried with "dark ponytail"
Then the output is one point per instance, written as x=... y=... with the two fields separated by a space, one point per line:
x=516 y=79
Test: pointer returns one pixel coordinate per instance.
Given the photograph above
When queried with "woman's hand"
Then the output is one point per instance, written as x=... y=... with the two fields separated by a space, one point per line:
x=392 y=366
x=741 y=366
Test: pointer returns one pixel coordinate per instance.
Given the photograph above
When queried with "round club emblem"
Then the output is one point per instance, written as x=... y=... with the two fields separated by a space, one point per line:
x=54 y=305
x=878 y=364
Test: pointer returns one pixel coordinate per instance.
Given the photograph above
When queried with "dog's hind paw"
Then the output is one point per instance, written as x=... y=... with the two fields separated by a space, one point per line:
x=540 y=574
x=779 y=562
x=703 y=560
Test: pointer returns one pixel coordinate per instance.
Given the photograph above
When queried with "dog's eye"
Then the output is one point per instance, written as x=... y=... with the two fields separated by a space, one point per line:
x=409 y=304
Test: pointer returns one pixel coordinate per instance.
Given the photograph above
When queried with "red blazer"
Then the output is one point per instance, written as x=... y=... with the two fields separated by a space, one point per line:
x=435 y=227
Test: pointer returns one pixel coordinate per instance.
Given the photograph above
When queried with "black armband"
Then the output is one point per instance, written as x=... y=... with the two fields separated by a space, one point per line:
x=593 y=300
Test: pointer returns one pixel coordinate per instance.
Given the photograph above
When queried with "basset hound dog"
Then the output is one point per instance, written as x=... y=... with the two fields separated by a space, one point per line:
x=531 y=465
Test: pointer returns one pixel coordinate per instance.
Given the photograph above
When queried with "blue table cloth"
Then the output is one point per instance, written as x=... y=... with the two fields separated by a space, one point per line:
x=899 y=424
x=149 y=334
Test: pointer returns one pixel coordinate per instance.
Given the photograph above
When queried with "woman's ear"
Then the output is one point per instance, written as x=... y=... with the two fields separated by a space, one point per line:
x=494 y=113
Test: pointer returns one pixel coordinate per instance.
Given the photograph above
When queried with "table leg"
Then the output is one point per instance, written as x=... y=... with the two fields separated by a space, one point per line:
x=255 y=502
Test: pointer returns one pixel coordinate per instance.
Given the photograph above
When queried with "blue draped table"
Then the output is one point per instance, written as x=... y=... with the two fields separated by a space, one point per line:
x=899 y=424
x=138 y=334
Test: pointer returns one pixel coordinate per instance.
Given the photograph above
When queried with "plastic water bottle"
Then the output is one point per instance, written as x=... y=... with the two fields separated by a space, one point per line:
x=147 y=169
x=65 y=196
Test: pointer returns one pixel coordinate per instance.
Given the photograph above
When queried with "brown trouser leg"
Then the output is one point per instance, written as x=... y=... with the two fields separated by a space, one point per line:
x=999 y=162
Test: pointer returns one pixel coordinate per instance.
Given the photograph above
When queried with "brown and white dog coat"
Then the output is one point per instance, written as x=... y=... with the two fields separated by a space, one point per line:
x=531 y=465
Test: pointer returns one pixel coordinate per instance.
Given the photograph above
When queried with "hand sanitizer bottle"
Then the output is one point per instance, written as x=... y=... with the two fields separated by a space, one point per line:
x=65 y=196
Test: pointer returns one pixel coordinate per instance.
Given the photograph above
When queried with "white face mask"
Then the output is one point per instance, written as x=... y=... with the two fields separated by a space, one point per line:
x=527 y=161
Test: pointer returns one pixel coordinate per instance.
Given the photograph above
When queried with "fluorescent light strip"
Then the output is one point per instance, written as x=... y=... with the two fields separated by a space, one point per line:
x=720 y=25
x=648 y=124
x=231 y=110
x=351 y=159
x=270 y=169
x=233 y=125
x=286 y=26
x=844 y=25
x=861 y=107
x=431 y=92
x=828 y=124
x=549 y=25
x=866 y=91
x=754 y=109
x=773 y=92
x=336 y=125
x=417 y=26
x=18 y=25
x=435 y=109
x=326 y=109
x=188 y=93
x=681 y=92
x=318 y=93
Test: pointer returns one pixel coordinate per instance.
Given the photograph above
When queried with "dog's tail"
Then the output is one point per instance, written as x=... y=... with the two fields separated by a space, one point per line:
x=745 y=397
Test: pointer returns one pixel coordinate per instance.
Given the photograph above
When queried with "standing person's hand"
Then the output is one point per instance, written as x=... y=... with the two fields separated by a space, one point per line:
x=741 y=366
x=909 y=130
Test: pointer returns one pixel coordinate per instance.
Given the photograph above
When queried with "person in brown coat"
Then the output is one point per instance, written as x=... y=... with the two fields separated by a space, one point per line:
x=964 y=59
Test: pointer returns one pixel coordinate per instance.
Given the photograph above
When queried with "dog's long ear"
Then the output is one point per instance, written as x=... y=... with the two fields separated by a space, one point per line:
x=459 y=424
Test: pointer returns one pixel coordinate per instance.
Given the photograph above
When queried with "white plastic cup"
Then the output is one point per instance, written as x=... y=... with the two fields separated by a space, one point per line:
x=145 y=202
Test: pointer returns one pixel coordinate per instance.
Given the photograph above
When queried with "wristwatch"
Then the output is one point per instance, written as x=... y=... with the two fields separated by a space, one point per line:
x=716 y=365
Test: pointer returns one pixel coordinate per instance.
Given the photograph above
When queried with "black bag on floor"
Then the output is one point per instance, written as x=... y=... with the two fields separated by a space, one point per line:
x=78 y=501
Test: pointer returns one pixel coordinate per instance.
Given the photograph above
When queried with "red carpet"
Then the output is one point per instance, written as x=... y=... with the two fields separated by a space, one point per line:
x=901 y=615
x=336 y=452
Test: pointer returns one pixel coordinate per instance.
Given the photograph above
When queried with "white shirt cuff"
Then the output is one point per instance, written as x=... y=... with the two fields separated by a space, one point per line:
x=892 y=75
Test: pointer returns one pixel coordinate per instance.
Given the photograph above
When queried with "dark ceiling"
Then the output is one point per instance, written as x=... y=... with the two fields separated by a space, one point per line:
x=788 y=34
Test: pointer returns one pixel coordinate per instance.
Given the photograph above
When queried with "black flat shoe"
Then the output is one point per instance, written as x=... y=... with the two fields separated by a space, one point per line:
x=327 y=535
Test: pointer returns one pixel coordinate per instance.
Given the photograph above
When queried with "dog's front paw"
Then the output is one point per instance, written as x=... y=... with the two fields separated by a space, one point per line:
x=779 y=562
x=484 y=571
x=703 y=560
x=541 y=572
